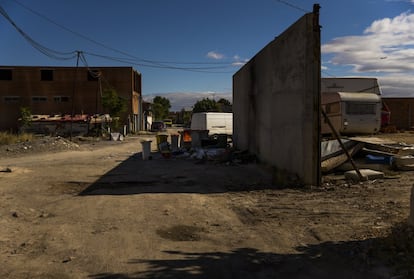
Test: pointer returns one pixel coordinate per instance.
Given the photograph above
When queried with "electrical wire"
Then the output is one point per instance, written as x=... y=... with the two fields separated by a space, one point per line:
x=136 y=60
x=43 y=49
x=162 y=66
x=293 y=6
x=132 y=60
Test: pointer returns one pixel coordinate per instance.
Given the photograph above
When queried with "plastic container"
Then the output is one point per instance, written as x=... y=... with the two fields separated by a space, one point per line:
x=174 y=142
x=146 y=149
x=161 y=140
x=185 y=141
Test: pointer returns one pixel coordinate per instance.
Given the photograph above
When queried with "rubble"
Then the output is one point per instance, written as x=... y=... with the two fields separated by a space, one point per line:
x=368 y=153
x=38 y=145
x=366 y=174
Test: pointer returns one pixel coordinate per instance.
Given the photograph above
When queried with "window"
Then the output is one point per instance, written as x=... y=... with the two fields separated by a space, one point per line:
x=46 y=75
x=93 y=75
x=333 y=108
x=11 y=99
x=360 y=108
x=39 y=99
x=6 y=74
x=61 y=99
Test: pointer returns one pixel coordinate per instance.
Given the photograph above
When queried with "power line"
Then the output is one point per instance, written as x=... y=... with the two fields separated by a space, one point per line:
x=293 y=6
x=132 y=60
x=148 y=62
x=43 y=49
x=161 y=66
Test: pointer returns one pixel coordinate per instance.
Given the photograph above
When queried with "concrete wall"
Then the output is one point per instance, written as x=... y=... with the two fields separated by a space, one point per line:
x=276 y=103
x=411 y=217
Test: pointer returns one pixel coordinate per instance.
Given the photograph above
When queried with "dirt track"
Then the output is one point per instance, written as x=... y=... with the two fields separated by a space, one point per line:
x=102 y=212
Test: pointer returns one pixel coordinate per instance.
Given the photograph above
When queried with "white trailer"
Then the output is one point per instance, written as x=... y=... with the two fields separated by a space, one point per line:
x=351 y=112
x=214 y=122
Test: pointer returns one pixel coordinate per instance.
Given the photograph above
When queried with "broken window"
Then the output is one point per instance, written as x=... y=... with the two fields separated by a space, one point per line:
x=11 y=99
x=61 y=99
x=6 y=74
x=333 y=108
x=46 y=75
x=39 y=99
x=93 y=75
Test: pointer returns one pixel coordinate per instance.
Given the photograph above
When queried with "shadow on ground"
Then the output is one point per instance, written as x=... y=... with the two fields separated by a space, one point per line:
x=353 y=259
x=177 y=175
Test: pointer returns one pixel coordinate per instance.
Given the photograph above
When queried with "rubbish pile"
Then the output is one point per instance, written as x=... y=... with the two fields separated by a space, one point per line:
x=370 y=155
x=198 y=146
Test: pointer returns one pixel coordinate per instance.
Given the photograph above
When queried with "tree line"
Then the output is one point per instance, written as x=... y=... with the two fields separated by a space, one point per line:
x=161 y=106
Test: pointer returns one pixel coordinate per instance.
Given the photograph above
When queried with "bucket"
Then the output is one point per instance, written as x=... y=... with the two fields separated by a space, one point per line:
x=186 y=135
x=161 y=139
x=185 y=139
x=146 y=149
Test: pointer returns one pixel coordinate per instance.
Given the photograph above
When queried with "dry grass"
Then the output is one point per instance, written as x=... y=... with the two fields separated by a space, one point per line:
x=9 y=138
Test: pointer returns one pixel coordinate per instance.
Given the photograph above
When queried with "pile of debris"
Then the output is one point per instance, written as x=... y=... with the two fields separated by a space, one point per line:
x=369 y=156
x=63 y=125
x=38 y=145
x=215 y=149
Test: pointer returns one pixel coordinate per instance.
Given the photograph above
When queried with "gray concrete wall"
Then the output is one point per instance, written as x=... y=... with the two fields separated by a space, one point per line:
x=276 y=103
x=411 y=216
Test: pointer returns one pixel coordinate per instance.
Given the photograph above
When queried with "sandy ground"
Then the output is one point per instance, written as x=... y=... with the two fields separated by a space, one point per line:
x=97 y=210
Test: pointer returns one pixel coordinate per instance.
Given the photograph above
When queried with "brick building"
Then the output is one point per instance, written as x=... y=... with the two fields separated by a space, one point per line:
x=402 y=112
x=67 y=90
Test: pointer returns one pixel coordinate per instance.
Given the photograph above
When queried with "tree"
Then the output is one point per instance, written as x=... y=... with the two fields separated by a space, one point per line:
x=225 y=102
x=25 y=117
x=160 y=107
x=185 y=117
x=115 y=104
x=205 y=105
x=224 y=105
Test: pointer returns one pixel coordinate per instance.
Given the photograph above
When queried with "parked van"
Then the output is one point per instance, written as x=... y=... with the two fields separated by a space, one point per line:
x=351 y=112
x=214 y=122
x=168 y=122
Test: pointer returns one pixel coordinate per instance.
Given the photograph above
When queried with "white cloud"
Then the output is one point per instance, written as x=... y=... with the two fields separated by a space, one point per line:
x=392 y=39
x=238 y=61
x=215 y=55
x=386 y=48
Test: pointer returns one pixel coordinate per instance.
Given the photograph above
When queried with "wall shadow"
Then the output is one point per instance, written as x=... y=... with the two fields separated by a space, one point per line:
x=352 y=259
x=178 y=175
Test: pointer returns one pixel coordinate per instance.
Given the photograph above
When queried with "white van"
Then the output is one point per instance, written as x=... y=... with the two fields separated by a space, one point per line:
x=214 y=122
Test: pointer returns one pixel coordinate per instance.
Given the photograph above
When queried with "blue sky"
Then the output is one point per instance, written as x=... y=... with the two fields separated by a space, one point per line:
x=188 y=49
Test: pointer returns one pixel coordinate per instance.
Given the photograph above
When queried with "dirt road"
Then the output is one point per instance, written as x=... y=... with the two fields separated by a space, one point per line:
x=103 y=212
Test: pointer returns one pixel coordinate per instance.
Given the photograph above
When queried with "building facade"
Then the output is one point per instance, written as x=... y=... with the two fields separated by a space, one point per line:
x=67 y=90
x=402 y=112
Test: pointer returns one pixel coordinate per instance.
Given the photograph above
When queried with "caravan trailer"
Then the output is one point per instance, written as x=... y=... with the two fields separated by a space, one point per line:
x=351 y=112
x=351 y=84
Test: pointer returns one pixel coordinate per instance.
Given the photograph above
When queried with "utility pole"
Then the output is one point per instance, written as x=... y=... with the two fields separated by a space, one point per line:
x=73 y=92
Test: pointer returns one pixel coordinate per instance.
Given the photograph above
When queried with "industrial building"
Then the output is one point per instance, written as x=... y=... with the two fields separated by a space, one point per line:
x=402 y=112
x=67 y=91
